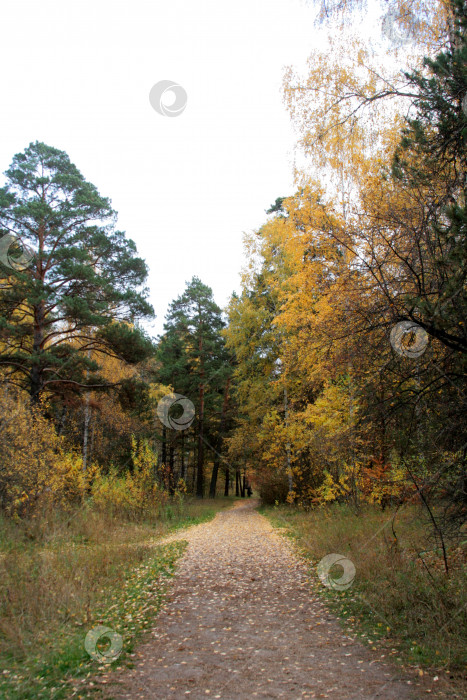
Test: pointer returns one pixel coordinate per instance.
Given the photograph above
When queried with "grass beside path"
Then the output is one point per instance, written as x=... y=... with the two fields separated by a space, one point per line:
x=63 y=575
x=400 y=602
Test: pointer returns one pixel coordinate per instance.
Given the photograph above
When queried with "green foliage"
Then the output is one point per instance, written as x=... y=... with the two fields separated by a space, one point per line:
x=195 y=363
x=81 y=290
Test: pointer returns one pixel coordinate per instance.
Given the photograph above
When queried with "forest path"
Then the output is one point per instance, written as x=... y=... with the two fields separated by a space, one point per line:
x=240 y=621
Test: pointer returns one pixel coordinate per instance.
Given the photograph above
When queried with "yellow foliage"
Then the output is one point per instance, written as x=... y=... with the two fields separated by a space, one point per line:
x=329 y=489
x=36 y=467
x=134 y=493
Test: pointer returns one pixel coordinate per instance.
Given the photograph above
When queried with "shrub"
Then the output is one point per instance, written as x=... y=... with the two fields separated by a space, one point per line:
x=36 y=467
x=135 y=494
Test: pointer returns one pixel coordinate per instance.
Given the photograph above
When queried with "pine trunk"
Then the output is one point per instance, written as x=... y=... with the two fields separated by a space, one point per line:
x=227 y=479
x=213 y=484
x=215 y=471
x=200 y=471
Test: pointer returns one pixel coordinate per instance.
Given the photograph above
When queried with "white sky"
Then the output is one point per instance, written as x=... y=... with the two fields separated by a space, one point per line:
x=77 y=76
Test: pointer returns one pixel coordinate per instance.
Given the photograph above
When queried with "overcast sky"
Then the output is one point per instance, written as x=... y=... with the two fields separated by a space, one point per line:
x=77 y=75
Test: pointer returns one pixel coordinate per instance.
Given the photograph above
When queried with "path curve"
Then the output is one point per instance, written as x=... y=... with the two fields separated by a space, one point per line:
x=240 y=621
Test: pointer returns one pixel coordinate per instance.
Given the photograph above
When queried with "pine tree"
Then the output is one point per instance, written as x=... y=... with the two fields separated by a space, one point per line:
x=79 y=293
x=195 y=362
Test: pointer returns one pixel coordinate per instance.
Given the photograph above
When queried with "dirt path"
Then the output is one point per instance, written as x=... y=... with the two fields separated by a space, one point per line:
x=240 y=622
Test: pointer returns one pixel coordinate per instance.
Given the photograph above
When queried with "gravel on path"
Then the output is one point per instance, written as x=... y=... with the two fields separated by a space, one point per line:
x=240 y=621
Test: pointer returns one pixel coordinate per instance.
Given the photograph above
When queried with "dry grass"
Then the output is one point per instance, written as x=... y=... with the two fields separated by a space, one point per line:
x=59 y=570
x=401 y=596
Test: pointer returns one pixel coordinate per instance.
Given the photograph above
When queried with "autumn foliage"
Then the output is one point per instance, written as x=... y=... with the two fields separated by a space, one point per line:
x=330 y=407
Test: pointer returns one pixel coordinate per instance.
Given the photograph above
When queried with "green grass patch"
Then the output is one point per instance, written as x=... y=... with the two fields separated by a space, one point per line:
x=59 y=662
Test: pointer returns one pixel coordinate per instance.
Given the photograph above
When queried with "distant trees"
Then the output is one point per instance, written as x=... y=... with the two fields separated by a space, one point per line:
x=194 y=361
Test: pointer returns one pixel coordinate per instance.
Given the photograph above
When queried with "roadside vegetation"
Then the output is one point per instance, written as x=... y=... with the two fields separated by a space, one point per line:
x=63 y=573
x=401 y=600
x=333 y=384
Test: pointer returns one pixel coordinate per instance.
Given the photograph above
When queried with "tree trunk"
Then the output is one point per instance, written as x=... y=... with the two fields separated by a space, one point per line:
x=170 y=476
x=91 y=446
x=182 y=458
x=237 y=483
x=37 y=347
x=227 y=479
x=164 y=446
x=200 y=473
x=200 y=469
x=215 y=471
x=87 y=419
x=213 y=484
x=61 y=422
x=287 y=447
x=193 y=476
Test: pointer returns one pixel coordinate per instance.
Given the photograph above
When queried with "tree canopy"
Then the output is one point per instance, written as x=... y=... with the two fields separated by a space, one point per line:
x=82 y=291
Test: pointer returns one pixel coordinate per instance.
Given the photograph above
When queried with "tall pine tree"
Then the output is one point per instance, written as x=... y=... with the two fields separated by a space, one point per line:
x=195 y=362
x=81 y=291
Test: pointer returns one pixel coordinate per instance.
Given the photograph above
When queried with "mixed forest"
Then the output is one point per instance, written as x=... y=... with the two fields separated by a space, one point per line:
x=336 y=376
